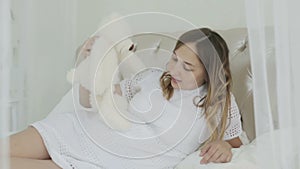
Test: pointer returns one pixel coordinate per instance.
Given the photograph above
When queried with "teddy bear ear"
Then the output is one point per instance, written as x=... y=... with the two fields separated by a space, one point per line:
x=114 y=28
x=109 y=18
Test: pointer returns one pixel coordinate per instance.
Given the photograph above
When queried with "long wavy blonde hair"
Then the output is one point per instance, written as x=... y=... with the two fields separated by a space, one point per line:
x=213 y=52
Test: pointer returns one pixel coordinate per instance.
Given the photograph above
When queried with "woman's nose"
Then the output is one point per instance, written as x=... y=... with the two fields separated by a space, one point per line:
x=175 y=69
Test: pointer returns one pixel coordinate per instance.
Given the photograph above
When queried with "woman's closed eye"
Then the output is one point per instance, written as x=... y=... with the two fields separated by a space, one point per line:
x=174 y=58
x=184 y=65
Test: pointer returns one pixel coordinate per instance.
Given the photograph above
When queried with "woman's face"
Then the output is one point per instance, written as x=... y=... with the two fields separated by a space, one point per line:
x=186 y=69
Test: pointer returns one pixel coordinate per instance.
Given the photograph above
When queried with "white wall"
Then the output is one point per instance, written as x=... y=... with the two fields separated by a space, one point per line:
x=44 y=36
x=46 y=33
x=217 y=14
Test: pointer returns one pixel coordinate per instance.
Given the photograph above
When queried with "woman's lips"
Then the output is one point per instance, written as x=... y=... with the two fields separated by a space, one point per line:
x=175 y=80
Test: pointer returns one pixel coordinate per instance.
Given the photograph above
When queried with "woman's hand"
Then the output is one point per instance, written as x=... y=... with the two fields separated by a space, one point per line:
x=217 y=152
x=118 y=89
x=87 y=46
x=84 y=50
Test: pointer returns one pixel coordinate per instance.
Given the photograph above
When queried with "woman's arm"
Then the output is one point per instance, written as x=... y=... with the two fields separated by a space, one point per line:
x=84 y=97
x=82 y=52
x=235 y=142
x=220 y=151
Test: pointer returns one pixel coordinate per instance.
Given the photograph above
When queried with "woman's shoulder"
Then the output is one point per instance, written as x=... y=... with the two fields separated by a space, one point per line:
x=232 y=98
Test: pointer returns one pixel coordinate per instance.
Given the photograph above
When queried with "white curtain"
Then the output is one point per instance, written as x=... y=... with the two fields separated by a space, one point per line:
x=37 y=47
x=274 y=59
x=4 y=79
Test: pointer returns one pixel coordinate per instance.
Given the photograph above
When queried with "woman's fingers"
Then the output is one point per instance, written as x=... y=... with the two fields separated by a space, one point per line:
x=205 y=149
x=87 y=46
x=218 y=152
x=224 y=158
x=229 y=157
x=90 y=42
x=209 y=154
x=117 y=89
x=216 y=156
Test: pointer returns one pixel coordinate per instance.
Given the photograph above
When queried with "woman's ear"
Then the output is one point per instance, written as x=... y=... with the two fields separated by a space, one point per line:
x=205 y=79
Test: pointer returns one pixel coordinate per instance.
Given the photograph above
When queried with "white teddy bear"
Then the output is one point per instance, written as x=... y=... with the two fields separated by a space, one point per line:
x=99 y=71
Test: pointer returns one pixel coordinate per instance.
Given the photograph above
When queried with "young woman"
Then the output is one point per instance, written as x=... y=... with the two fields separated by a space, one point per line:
x=178 y=110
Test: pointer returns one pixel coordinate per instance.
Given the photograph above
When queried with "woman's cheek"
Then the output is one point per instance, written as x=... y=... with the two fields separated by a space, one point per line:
x=168 y=67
